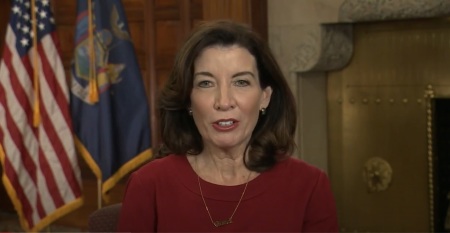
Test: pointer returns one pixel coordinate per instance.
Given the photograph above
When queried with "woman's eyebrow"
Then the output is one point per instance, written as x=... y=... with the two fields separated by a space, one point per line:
x=243 y=73
x=204 y=73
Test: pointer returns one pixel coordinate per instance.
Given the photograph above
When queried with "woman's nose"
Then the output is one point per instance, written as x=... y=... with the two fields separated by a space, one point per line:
x=224 y=99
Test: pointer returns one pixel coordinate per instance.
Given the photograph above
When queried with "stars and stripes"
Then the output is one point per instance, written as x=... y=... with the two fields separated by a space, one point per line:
x=40 y=167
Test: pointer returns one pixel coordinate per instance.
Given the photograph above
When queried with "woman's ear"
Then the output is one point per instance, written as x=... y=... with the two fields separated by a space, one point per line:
x=267 y=94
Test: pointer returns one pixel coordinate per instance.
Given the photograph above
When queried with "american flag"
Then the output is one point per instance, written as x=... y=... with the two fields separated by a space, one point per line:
x=40 y=167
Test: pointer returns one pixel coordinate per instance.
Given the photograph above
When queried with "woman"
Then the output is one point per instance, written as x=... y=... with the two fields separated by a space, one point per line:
x=228 y=120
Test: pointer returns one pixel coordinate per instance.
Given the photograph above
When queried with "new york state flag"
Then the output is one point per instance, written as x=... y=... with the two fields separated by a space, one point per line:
x=109 y=106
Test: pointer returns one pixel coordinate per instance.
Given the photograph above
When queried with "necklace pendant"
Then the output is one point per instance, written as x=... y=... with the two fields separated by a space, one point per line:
x=220 y=223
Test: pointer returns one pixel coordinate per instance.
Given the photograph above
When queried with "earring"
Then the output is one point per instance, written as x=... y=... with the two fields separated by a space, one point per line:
x=263 y=111
x=190 y=112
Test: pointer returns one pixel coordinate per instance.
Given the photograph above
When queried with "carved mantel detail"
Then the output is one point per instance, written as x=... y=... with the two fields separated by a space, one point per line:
x=328 y=45
x=363 y=10
x=333 y=45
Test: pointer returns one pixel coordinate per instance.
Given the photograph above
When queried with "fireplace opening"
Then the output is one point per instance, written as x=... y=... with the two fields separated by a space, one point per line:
x=442 y=165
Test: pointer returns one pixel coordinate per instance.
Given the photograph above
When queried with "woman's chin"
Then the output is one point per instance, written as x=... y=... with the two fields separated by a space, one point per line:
x=228 y=145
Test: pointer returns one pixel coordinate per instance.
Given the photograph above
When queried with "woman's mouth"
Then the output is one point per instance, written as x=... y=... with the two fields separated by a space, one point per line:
x=225 y=125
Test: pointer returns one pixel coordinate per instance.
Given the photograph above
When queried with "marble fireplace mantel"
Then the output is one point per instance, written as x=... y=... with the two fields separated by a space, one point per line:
x=316 y=35
x=311 y=37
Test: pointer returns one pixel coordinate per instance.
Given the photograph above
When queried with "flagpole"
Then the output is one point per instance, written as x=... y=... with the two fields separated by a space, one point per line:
x=93 y=88
x=36 y=113
x=99 y=193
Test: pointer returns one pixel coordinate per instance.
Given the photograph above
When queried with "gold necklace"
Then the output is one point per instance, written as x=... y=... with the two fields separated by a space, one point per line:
x=220 y=223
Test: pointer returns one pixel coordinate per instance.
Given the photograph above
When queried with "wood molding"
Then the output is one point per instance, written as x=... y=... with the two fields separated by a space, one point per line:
x=4 y=18
x=149 y=76
x=251 y=12
x=237 y=10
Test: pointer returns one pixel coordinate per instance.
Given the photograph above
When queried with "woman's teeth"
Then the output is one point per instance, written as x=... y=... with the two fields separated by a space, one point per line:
x=225 y=123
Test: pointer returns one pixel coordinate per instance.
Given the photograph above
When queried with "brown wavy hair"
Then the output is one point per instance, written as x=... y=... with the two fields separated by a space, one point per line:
x=273 y=137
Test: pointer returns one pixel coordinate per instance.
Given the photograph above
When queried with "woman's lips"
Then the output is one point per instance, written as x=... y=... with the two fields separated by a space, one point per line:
x=225 y=125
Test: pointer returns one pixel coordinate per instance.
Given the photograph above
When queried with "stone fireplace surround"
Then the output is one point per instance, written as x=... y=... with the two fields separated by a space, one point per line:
x=311 y=37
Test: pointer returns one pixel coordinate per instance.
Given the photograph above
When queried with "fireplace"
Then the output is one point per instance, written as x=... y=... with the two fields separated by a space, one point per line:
x=368 y=76
x=441 y=157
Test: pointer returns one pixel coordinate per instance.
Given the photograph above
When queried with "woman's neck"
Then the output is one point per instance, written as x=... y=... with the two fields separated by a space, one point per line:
x=220 y=168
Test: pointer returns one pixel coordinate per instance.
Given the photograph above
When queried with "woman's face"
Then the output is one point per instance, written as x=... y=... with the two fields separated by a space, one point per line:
x=226 y=97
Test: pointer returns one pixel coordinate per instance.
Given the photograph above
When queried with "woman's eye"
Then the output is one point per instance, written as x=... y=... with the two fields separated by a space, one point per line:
x=242 y=83
x=205 y=84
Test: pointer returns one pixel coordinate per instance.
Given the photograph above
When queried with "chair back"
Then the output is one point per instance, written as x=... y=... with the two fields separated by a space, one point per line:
x=104 y=219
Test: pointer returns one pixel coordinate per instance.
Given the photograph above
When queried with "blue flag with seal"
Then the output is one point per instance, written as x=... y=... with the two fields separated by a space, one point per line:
x=109 y=106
